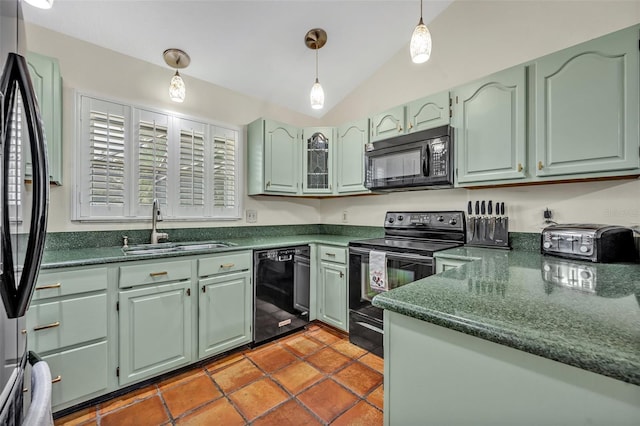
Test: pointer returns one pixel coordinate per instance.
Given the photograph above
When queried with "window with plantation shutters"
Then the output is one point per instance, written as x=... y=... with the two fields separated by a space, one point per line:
x=224 y=170
x=128 y=156
x=105 y=172
x=152 y=149
x=14 y=185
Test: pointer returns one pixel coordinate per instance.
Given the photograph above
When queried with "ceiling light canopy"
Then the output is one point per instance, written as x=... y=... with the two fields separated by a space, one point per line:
x=420 y=46
x=315 y=39
x=41 y=4
x=177 y=59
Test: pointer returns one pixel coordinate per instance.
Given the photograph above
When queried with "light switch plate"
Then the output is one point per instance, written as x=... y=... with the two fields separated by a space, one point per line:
x=252 y=216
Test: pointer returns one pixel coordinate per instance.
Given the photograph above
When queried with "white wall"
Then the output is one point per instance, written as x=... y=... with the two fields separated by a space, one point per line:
x=472 y=38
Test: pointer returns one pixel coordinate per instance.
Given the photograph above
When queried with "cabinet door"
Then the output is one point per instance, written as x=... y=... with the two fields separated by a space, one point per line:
x=333 y=294
x=429 y=112
x=155 y=330
x=490 y=121
x=225 y=312
x=317 y=160
x=352 y=138
x=47 y=83
x=281 y=157
x=587 y=107
x=387 y=124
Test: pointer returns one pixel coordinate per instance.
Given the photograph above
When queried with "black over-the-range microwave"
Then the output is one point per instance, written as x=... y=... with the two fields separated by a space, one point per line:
x=419 y=160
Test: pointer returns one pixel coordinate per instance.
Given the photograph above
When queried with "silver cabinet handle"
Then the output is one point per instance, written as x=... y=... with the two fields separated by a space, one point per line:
x=227 y=265
x=44 y=327
x=158 y=274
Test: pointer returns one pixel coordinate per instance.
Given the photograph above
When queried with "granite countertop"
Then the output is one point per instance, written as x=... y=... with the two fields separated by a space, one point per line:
x=96 y=256
x=511 y=298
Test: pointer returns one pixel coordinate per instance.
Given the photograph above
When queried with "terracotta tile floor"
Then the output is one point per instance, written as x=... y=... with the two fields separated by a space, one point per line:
x=314 y=377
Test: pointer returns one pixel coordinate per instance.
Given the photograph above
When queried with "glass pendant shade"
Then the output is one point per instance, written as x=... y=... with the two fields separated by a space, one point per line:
x=420 y=46
x=177 y=90
x=317 y=96
x=41 y=4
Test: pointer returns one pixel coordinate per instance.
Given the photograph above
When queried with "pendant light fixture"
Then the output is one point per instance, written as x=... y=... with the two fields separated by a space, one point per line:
x=177 y=59
x=315 y=39
x=420 y=46
x=41 y=4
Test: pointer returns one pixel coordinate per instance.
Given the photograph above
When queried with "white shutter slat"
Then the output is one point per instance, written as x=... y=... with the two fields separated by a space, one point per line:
x=106 y=159
x=192 y=171
x=153 y=156
x=224 y=172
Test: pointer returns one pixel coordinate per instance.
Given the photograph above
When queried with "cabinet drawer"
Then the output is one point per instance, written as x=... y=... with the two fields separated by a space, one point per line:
x=78 y=372
x=67 y=322
x=333 y=254
x=224 y=263
x=154 y=273
x=64 y=283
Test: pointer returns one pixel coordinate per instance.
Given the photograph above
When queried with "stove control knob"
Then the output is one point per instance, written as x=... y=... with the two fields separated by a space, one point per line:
x=547 y=244
x=584 y=249
x=440 y=219
x=400 y=218
x=452 y=221
x=585 y=275
x=391 y=220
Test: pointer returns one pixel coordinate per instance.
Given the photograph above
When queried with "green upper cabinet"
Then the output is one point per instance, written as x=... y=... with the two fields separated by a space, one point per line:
x=317 y=160
x=352 y=139
x=586 y=113
x=47 y=83
x=490 y=120
x=429 y=112
x=274 y=156
x=387 y=124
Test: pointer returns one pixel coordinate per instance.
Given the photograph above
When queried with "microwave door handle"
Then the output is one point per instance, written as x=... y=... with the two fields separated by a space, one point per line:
x=425 y=161
x=40 y=182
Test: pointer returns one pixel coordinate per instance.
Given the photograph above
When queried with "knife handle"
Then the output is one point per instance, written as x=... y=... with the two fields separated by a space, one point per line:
x=482 y=208
x=489 y=207
x=469 y=208
x=502 y=208
x=477 y=207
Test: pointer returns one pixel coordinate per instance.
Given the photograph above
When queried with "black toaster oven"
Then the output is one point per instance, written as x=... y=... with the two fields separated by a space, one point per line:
x=589 y=242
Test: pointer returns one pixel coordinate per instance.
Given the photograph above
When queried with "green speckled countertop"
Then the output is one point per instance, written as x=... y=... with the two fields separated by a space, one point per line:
x=101 y=255
x=510 y=297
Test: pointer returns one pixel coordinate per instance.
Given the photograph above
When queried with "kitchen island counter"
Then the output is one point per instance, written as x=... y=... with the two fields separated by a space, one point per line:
x=507 y=298
x=500 y=340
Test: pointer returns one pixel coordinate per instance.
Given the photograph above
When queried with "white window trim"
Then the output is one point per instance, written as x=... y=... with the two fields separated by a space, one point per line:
x=169 y=215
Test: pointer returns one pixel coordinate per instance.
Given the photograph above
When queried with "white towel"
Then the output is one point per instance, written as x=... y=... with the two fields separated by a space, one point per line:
x=378 y=271
x=39 y=413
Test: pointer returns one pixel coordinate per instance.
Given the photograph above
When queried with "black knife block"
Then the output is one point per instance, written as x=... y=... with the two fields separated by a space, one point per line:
x=489 y=232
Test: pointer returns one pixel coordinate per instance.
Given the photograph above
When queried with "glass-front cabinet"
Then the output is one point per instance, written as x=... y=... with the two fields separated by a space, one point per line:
x=317 y=160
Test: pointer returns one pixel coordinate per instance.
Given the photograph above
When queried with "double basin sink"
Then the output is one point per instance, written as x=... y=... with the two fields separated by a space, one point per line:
x=174 y=247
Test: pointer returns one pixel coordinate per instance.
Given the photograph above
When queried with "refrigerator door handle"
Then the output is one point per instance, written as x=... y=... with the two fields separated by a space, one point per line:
x=16 y=299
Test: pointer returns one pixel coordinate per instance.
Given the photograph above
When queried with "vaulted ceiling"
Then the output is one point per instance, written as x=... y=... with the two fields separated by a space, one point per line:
x=252 y=47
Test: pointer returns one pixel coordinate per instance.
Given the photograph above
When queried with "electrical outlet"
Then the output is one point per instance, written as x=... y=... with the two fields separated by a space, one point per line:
x=345 y=216
x=252 y=216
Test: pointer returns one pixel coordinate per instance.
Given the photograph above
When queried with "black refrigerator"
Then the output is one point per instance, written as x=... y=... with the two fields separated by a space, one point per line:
x=23 y=214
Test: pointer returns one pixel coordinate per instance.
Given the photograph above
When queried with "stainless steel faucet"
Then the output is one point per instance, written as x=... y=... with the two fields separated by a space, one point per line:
x=155 y=235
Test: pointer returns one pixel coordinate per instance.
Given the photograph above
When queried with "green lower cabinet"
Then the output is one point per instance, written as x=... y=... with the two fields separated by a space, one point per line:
x=332 y=289
x=225 y=313
x=586 y=115
x=491 y=135
x=155 y=330
x=78 y=373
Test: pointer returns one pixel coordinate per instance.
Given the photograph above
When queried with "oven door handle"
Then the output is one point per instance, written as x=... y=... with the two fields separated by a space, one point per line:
x=394 y=255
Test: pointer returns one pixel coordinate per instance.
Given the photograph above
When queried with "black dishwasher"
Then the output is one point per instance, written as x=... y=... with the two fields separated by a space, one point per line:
x=281 y=298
